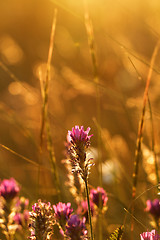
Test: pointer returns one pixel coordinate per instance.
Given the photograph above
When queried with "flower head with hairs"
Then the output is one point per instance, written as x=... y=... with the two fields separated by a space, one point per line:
x=78 y=141
x=42 y=221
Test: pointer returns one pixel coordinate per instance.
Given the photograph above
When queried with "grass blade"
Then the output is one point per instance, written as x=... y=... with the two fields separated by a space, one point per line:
x=140 y=129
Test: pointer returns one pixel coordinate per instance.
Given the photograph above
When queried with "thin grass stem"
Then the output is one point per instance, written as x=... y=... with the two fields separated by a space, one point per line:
x=140 y=131
x=52 y=158
x=45 y=118
x=152 y=126
x=45 y=86
x=19 y=155
x=89 y=209
x=91 y=43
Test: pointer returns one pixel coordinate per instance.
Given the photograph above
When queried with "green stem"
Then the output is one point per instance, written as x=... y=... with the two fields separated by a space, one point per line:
x=89 y=209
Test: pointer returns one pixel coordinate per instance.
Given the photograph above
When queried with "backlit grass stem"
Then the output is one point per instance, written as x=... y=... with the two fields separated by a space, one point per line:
x=45 y=85
x=91 y=43
x=45 y=119
x=140 y=130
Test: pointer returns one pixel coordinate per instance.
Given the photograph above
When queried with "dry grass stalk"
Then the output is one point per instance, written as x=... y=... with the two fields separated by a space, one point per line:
x=45 y=120
x=140 y=130
x=45 y=85
x=91 y=43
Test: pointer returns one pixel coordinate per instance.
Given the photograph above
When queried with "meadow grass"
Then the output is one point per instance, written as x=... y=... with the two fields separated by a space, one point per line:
x=69 y=186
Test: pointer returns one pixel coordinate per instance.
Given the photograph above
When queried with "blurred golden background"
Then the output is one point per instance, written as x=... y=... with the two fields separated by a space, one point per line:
x=125 y=33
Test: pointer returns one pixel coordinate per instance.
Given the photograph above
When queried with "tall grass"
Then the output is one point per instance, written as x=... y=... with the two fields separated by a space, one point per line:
x=140 y=129
x=45 y=117
x=113 y=123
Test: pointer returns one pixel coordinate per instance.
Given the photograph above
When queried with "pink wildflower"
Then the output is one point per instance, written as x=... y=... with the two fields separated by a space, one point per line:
x=62 y=212
x=150 y=235
x=78 y=134
x=98 y=194
x=76 y=229
x=78 y=142
x=153 y=207
x=9 y=189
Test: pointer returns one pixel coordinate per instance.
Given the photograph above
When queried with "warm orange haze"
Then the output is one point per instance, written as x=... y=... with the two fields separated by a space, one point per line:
x=65 y=64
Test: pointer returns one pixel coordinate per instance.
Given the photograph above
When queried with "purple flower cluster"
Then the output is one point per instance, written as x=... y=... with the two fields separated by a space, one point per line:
x=41 y=217
x=79 y=135
x=150 y=235
x=71 y=225
x=97 y=195
x=153 y=207
x=9 y=189
x=78 y=141
x=76 y=229
x=14 y=214
x=62 y=213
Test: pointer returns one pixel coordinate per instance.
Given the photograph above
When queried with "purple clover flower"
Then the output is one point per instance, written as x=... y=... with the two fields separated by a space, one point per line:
x=78 y=141
x=150 y=235
x=9 y=189
x=76 y=229
x=82 y=209
x=153 y=207
x=98 y=194
x=62 y=213
x=42 y=221
x=79 y=135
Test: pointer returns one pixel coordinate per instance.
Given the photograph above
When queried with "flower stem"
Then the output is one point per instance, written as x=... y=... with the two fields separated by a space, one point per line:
x=89 y=209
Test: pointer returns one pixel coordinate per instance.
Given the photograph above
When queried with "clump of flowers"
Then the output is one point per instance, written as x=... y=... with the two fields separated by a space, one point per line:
x=9 y=190
x=62 y=214
x=42 y=221
x=150 y=235
x=21 y=213
x=76 y=229
x=78 y=143
x=153 y=207
x=97 y=195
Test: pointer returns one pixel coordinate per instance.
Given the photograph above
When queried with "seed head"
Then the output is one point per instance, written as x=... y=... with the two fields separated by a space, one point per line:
x=78 y=141
x=41 y=217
